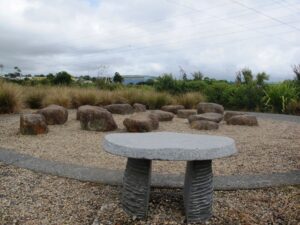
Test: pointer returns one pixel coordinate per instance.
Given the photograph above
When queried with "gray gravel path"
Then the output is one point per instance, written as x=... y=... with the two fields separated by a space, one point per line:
x=114 y=177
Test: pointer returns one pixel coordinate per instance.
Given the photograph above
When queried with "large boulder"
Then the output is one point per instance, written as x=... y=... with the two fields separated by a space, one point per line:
x=139 y=107
x=33 y=124
x=204 y=125
x=120 y=108
x=243 y=120
x=97 y=120
x=229 y=114
x=162 y=115
x=83 y=107
x=214 y=117
x=206 y=107
x=172 y=108
x=185 y=113
x=141 y=123
x=54 y=114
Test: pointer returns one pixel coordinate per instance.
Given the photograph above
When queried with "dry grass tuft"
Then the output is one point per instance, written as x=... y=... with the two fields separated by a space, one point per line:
x=10 y=98
x=190 y=100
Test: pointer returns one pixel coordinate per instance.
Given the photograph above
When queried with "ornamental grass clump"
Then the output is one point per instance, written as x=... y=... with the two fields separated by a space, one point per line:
x=10 y=95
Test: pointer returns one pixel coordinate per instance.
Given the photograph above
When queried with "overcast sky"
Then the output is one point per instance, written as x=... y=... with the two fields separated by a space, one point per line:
x=217 y=37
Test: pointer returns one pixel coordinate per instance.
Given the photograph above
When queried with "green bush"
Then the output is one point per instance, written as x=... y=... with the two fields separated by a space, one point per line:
x=62 y=78
x=279 y=96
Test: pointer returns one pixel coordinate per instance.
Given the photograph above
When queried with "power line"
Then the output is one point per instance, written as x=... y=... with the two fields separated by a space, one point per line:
x=263 y=14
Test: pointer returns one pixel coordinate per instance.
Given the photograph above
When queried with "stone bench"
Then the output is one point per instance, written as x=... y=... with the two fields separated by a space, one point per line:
x=142 y=148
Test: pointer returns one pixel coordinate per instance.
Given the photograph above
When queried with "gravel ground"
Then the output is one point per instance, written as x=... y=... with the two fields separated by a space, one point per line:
x=273 y=146
x=32 y=198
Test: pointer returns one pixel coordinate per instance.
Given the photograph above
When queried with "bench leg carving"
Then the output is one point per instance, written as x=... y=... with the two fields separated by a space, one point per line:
x=198 y=191
x=136 y=187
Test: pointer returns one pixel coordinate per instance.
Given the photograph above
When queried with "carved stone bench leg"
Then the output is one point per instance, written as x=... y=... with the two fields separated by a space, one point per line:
x=198 y=191
x=136 y=187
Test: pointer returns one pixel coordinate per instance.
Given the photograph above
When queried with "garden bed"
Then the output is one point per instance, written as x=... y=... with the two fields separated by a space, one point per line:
x=273 y=146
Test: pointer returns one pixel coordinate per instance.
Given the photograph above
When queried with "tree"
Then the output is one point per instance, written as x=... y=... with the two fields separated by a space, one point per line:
x=296 y=70
x=1 y=67
x=17 y=71
x=197 y=75
x=244 y=76
x=118 y=78
x=182 y=73
x=62 y=78
x=261 y=78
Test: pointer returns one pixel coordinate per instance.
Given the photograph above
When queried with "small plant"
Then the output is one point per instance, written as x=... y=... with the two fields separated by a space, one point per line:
x=190 y=100
x=34 y=99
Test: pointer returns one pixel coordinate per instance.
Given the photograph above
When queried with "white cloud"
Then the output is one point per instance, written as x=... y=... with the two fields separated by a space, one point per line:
x=150 y=37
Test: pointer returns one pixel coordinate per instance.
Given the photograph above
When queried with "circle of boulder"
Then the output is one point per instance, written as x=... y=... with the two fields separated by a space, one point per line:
x=33 y=124
x=163 y=115
x=229 y=114
x=141 y=123
x=185 y=113
x=83 y=108
x=172 y=108
x=97 y=119
x=120 y=108
x=139 y=107
x=54 y=114
x=206 y=107
x=243 y=120
x=214 y=117
x=204 y=125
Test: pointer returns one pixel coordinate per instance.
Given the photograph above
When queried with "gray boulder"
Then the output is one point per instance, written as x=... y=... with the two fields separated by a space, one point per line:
x=54 y=114
x=83 y=107
x=245 y=120
x=97 y=120
x=172 y=108
x=33 y=124
x=141 y=123
x=206 y=107
x=139 y=107
x=185 y=113
x=229 y=114
x=214 y=117
x=204 y=125
x=120 y=108
x=162 y=115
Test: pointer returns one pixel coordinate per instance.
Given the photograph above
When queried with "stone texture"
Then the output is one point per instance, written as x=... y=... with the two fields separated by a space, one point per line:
x=206 y=107
x=54 y=114
x=162 y=115
x=185 y=113
x=172 y=108
x=229 y=114
x=169 y=146
x=136 y=187
x=139 y=107
x=83 y=107
x=141 y=123
x=198 y=191
x=120 y=108
x=33 y=124
x=214 y=117
x=243 y=120
x=204 y=125
x=97 y=120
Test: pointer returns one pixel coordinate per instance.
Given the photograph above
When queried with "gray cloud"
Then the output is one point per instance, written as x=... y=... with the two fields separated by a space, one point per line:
x=150 y=37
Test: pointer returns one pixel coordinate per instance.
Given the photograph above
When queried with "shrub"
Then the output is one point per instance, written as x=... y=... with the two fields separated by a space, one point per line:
x=279 y=96
x=9 y=98
x=190 y=100
x=62 y=78
x=34 y=99
x=83 y=97
x=59 y=96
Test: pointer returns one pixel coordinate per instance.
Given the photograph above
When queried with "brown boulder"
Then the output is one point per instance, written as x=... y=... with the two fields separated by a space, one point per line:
x=83 y=107
x=33 y=124
x=172 y=108
x=206 y=107
x=214 y=117
x=141 y=123
x=243 y=120
x=54 y=114
x=120 y=108
x=97 y=120
x=162 y=115
x=139 y=107
x=185 y=113
x=229 y=114
x=204 y=125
